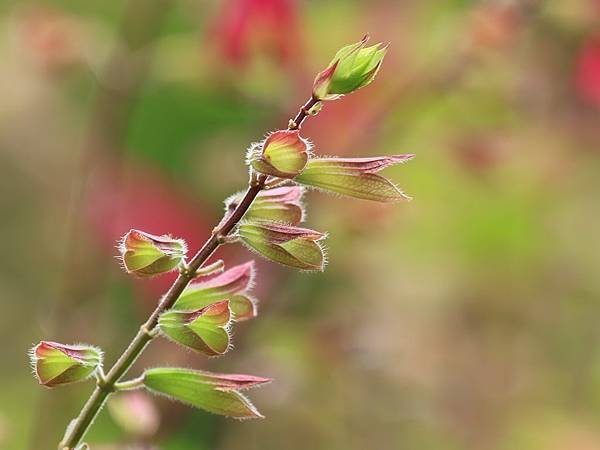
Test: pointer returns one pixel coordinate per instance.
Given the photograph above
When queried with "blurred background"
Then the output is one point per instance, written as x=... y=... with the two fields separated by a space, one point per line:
x=466 y=319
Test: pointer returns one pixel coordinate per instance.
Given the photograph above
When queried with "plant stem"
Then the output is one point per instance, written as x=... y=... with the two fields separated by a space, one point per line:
x=79 y=426
x=130 y=385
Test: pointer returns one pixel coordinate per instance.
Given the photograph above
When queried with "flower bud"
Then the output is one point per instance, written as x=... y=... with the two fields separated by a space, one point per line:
x=285 y=244
x=55 y=364
x=146 y=255
x=282 y=154
x=204 y=330
x=282 y=204
x=214 y=392
x=354 y=177
x=353 y=67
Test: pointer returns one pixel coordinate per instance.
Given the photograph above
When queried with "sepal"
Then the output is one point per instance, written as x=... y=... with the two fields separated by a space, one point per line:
x=354 y=177
x=243 y=307
x=213 y=392
x=286 y=244
x=233 y=281
x=281 y=204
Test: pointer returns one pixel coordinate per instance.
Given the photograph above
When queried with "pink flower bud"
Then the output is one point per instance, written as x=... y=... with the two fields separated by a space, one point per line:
x=354 y=177
x=55 y=364
x=147 y=255
x=285 y=244
x=237 y=280
x=283 y=154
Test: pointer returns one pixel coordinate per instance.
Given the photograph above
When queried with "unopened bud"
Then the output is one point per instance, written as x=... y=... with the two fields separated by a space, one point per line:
x=352 y=68
x=283 y=154
x=147 y=255
x=55 y=364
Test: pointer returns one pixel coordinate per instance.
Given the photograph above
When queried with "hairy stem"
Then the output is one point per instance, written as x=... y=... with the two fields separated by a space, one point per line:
x=108 y=384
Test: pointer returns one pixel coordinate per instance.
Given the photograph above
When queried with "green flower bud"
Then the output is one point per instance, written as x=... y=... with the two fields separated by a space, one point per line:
x=146 y=255
x=55 y=364
x=282 y=154
x=354 y=177
x=353 y=67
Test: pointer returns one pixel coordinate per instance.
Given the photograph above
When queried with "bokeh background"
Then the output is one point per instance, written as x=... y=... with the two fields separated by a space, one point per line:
x=465 y=319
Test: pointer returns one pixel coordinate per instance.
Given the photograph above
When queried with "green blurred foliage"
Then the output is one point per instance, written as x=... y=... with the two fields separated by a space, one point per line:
x=466 y=319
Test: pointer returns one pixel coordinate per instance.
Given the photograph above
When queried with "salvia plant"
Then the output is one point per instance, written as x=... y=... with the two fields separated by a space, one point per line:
x=205 y=300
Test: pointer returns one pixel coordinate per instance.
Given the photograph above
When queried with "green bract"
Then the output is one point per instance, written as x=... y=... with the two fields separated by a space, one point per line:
x=352 y=68
x=286 y=244
x=282 y=204
x=215 y=393
x=197 y=295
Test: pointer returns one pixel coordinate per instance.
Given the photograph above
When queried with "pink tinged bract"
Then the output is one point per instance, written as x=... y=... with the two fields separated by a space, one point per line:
x=56 y=364
x=282 y=204
x=213 y=392
x=354 y=177
x=282 y=154
x=233 y=281
x=285 y=244
x=147 y=255
x=205 y=331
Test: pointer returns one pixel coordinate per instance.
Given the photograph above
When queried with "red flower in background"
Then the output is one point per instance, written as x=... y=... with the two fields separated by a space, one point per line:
x=587 y=71
x=245 y=26
x=51 y=38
